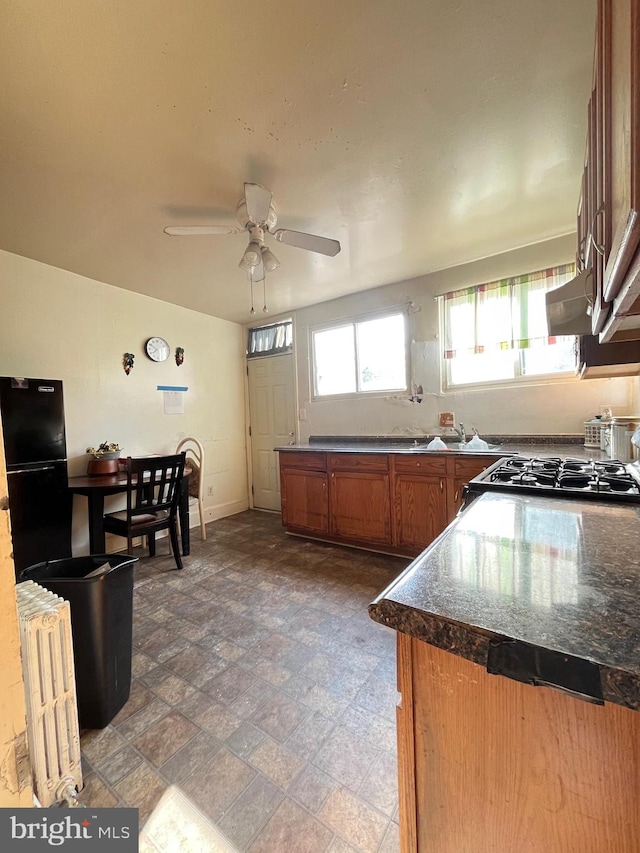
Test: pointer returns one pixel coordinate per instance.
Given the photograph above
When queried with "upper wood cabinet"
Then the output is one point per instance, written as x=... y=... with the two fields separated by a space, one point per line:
x=594 y=210
x=609 y=207
x=594 y=359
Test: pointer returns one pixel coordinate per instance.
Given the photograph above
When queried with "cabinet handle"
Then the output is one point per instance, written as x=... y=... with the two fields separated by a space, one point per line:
x=442 y=485
x=455 y=497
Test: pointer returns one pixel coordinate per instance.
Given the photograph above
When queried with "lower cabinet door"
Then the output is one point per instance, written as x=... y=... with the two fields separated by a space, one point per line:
x=305 y=502
x=420 y=509
x=457 y=498
x=360 y=506
x=465 y=468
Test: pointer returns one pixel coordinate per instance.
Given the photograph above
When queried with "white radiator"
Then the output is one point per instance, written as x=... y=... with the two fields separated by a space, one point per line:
x=50 y=693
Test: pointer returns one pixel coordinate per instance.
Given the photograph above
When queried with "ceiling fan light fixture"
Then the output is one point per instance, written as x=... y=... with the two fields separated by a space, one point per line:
x=251 y=257
x=269 y=260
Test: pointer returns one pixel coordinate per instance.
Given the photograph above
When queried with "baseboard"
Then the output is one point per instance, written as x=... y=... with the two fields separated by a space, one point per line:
x=213 y=513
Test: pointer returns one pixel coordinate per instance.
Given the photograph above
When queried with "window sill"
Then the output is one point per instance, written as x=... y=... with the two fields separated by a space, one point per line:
x=362 y=395
x=520 y=382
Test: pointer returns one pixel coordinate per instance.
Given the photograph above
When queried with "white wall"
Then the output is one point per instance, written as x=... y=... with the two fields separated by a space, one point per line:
x=58 y=325
x=543 y=408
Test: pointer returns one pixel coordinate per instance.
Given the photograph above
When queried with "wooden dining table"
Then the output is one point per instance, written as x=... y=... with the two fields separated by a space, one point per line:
x=96 y=488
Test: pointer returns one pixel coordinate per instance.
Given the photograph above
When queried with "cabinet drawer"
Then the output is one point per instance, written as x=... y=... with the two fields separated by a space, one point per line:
x=303 y=459
x=374 y=462
x=420 y=465
x=471 y=466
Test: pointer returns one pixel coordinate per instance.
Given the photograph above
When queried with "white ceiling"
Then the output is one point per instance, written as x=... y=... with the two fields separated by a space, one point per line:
x=420 y=133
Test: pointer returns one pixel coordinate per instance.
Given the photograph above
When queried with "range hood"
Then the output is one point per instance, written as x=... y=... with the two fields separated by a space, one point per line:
x=568 y=304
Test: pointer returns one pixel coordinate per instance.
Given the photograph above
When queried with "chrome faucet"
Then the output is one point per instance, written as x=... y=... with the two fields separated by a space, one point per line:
x=461 y=434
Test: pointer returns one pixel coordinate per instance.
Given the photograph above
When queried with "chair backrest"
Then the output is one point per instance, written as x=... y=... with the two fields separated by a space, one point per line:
x=195 y=460
x=153 y=483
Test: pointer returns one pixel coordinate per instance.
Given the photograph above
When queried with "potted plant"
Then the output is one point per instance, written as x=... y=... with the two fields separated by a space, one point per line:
x=105 y=458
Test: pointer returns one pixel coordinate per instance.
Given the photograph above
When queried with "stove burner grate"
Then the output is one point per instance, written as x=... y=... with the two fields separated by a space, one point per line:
x=597 y=478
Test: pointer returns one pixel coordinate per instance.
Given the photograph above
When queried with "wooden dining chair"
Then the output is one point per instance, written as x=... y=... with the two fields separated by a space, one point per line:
x=153 y=491
x=195 y=460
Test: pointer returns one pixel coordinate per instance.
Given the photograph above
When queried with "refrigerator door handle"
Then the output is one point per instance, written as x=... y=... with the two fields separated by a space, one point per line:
x=30 y=470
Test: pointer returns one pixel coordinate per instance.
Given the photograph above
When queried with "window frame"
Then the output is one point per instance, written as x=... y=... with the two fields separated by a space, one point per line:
x=285 y=350
x=353 y=321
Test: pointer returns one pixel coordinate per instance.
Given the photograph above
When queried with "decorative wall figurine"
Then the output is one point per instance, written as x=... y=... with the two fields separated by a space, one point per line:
x=127 y=362
x=179 y=355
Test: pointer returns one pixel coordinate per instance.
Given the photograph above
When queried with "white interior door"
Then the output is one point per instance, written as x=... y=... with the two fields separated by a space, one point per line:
x=272 y=419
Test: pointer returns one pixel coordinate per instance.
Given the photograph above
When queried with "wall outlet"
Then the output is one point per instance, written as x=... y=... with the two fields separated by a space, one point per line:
x=210 y=491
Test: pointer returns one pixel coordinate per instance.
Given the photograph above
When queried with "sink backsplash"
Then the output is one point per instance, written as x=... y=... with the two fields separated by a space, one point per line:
x=404 y=440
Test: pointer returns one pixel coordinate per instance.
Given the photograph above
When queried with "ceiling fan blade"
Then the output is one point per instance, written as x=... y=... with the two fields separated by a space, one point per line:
x=311 y=242
x=258 y=199
x=200 y=230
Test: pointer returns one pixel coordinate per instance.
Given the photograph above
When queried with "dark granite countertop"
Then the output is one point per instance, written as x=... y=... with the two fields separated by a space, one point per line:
x=556 y=574
x=562 y=446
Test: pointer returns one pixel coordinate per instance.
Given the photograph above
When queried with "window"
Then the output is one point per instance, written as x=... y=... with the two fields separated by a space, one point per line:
x=360 y=356
x=498 y=331
x=274 y=339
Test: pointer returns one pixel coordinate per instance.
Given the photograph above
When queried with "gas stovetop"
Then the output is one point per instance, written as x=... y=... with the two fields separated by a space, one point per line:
x=606 y=480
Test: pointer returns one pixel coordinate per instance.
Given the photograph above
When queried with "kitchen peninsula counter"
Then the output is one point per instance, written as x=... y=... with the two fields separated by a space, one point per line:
x=520 y=591
x=558 y=574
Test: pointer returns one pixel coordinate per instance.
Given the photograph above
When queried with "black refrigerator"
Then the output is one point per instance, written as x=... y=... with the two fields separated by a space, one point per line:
x=40 y=504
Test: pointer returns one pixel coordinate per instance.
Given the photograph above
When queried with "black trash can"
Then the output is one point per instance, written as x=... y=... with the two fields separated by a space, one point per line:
x=102 y=628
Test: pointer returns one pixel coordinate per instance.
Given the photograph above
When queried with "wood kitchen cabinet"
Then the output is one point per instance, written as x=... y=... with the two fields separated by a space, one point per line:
x=305 y=496
x=419 y=501
x=397 y=503
x=359 y=497
x=594 y=359
x=489 y=764
x=609 y=207
x=461 y=470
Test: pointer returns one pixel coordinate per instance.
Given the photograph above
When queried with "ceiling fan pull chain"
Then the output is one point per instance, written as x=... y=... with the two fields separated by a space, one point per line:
x=252 y=312
x=265 y=310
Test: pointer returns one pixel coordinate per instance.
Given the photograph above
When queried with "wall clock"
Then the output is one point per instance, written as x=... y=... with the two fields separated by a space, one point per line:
x=157 y=349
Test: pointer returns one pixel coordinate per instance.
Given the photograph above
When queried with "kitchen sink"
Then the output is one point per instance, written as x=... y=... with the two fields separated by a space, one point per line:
x=458 y=447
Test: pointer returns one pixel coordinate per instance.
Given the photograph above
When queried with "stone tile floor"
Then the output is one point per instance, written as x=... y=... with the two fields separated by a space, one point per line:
x=261 y=689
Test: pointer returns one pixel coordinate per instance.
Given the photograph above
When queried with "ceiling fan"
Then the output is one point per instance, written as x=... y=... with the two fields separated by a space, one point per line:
x=257 y=215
